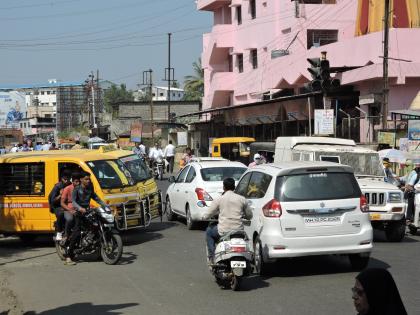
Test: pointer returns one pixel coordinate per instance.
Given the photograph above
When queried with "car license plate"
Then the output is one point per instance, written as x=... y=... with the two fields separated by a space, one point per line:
x=375 y=216
x=322 y=220
x=238 y=264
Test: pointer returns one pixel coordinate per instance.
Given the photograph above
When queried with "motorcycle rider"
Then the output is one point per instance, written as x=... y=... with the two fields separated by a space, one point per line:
x=231 y=208
x=54 y=201
x=139 y=149
x=155 y=154
x=81 y=197
x=67 y=205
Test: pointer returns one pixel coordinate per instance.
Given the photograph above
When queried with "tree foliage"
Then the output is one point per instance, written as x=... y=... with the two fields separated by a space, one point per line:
x=117 y=94
x=194 y=84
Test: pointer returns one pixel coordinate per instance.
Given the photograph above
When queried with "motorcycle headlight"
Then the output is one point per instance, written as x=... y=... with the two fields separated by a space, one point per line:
x=106 y=214
x=394 y=197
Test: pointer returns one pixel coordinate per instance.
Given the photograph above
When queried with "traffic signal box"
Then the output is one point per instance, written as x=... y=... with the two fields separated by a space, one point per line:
x=321 y=76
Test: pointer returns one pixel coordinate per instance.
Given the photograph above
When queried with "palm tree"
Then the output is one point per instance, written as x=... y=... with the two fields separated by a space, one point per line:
x=194 y=84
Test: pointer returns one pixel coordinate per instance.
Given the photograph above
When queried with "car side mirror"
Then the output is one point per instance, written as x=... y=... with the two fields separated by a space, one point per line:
x=171 y=179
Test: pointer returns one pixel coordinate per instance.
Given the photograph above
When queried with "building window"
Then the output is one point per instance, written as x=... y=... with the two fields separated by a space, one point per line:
x=253 y=9
x=153 y=94
x=254 y=58
x=47 y=115
x=48 y=92
x=179 y=94
x=42 y=92
x=316 y=38
x=240 y=60
x=54 y=103
x=239 y=14
x=160 y=94
x=173 y=94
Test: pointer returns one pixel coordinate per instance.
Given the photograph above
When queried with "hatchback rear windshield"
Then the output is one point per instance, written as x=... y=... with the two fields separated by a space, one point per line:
x=217 y=174
x=317 y=186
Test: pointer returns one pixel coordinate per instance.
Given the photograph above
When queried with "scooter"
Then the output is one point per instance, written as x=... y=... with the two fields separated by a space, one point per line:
x=232 y=260
x=415 y=225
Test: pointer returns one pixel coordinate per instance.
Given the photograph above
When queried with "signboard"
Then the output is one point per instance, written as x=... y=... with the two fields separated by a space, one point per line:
x=324 y=121
x=182 y=137
x=404 y=145
x=136 y=131
x=414 y=130
x=386 y=137
x=12 y=108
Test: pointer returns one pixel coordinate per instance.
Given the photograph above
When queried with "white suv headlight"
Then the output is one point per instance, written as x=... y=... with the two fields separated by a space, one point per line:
x=394 y=197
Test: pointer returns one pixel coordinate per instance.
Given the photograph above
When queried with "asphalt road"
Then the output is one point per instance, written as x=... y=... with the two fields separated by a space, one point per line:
x=163 y=271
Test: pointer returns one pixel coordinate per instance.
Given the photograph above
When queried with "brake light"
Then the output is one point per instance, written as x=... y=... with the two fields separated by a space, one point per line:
x=272 y=209
x=203 y=195
x=237 y=249
x=364 y=207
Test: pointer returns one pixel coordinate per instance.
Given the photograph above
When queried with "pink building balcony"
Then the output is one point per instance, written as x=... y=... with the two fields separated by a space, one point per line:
x=221 y=37
x=211 y=5
x=221 y=88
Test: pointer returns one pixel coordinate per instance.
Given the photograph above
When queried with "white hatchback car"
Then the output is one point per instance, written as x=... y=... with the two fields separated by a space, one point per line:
x=306 y=208
x=197 y=184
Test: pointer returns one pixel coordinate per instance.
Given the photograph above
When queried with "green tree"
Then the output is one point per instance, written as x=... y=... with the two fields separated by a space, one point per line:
x=194 y=84
x=117 y=94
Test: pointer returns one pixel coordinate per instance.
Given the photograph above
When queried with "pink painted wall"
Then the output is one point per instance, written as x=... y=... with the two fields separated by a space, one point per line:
x=275 y=27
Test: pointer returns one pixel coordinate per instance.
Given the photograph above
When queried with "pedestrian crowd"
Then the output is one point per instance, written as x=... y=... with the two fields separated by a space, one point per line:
x=27 y=146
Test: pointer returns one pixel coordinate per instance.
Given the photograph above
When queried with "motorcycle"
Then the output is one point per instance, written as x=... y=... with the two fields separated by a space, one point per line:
x=158 y=168
x=232 y=259
x=98 y=236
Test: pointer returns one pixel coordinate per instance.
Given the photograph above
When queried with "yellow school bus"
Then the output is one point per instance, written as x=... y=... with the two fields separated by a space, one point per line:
x=232 y=148
x=27 y=178
x=147 y=188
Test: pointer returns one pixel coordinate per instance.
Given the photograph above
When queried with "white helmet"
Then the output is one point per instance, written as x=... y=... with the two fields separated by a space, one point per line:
x=257 y=158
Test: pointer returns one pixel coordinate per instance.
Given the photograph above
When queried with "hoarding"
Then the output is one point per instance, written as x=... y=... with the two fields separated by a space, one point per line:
x=414 y=130
x=324 y=121
x=136 y=131
x=387 y=138
x=12 y=108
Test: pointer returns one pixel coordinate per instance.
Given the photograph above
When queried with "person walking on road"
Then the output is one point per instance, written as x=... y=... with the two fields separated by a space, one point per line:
x=169 y=155
x=375 y=293
x=410 y=193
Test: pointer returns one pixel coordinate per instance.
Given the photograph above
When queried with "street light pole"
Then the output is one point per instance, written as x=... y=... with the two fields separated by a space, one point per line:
x=385 y=68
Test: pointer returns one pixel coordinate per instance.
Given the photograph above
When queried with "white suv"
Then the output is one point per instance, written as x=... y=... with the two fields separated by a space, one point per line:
x=306 y=208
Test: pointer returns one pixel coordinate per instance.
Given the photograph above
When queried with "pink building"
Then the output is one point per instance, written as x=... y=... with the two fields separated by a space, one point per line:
x=257 y=51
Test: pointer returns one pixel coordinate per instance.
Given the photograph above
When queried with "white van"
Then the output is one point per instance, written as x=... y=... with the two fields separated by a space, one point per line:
x=386 y=203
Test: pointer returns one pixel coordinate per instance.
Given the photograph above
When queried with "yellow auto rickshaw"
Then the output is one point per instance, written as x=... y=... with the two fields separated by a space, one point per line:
x=232 y=148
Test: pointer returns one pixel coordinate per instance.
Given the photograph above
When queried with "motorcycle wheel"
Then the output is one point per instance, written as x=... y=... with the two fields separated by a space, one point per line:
x=61 y=252
x=235 y=283
x=112 y=254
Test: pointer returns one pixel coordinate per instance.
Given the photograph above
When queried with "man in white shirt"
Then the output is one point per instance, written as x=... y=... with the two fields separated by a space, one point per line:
x=155 y=153
x=169 y=155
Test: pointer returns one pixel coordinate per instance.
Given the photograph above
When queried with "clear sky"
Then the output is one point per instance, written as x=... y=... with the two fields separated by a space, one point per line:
x=67 y=39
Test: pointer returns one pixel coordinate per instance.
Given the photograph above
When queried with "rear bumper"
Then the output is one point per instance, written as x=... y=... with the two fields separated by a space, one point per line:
x=273 y=244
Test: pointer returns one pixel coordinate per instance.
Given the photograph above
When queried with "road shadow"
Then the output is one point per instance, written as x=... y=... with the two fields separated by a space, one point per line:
x=316 y=265
x=379 y=237
x=85 y=308
x=253 y=283
x=12 y=247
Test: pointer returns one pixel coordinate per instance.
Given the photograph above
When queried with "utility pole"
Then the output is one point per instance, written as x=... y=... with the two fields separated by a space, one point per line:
x=169 y=76
x=92 y=86
x=385 y=68
x=148 y=80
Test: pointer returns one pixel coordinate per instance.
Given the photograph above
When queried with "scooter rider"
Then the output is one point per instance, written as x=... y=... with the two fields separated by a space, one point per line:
x=81 y=197
x=231 y=208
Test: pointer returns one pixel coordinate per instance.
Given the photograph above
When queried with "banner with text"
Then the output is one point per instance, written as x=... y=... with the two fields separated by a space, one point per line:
x=324 y=121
